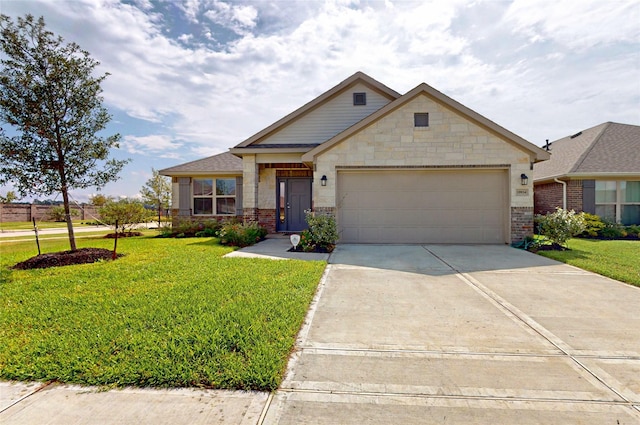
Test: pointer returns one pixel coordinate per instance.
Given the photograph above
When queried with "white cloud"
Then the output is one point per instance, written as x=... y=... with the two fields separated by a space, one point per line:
x=541 y=69
x=576 y=25
x=239 y=19
x=154 y=143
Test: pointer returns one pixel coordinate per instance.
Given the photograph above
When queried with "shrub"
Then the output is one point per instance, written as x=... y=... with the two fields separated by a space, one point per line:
x=126 y=212
x=57 y=213
x=593 y=225
x=561 y=225
x=323 y=229
x=612 y=230
x=182 y=228
x=241 y=234
x=634 y=230
x=306 y=241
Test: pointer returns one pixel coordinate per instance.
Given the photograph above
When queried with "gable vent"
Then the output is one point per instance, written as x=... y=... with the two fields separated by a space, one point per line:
x=359 y=99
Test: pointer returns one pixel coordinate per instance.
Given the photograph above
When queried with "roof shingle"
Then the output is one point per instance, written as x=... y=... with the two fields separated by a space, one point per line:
x=606 y=148
x=221 y=163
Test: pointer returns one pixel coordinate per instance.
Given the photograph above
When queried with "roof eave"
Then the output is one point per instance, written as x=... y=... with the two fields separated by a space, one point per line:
x=587 y=176
x=202 y=173
x=242 y=151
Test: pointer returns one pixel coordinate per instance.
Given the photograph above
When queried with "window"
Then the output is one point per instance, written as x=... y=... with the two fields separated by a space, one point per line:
x=222 y=202
x=421 y=119
x=618 y=201
x=359 y=99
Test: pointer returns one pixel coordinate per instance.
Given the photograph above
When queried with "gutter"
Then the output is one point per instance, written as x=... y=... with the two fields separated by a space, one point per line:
x=564 y=192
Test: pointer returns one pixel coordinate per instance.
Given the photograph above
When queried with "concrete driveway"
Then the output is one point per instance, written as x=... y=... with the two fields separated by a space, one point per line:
x=463 y=334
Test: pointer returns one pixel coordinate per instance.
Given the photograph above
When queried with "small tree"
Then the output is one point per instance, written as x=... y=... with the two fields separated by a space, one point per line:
x=561 y=225
x=9 y=197
x=126 y=212
x=51 y=99
x=99 y=200
x=157 y=191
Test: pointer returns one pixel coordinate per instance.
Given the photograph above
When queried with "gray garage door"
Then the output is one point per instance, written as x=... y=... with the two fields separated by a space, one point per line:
x=422 y=206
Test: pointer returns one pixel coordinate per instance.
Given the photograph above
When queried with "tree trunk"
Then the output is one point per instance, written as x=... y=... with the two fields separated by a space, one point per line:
x=159 y=214
x=67 y=216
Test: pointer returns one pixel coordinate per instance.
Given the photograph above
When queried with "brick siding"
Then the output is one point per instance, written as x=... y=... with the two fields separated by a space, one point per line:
x=267 y=219
x=548 y=196
x=521 y=223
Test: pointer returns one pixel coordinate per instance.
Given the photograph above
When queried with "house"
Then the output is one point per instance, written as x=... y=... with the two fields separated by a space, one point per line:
x=595 y=170
x=412 y=168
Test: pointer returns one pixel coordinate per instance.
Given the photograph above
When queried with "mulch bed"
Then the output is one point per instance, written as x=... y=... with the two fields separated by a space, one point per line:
x=550 y=247
x=122 y=235
x=66 y=258
x=323 y=250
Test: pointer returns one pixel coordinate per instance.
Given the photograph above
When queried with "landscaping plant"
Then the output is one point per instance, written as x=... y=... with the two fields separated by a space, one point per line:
x=241 y=234
x=560 y=225
x=322 y=229
x=127 y=213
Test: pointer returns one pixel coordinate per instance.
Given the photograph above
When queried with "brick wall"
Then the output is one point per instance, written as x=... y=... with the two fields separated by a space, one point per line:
x=546 y=197
x=267 y=219
x=25 y=212
x=574 y=195
x=521 y=223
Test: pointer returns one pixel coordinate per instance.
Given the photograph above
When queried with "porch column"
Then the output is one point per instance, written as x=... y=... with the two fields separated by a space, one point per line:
x=250 y=187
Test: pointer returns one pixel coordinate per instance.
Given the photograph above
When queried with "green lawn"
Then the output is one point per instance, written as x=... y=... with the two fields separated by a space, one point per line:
x=616 y=259
x=170 y=313
x=27 y=225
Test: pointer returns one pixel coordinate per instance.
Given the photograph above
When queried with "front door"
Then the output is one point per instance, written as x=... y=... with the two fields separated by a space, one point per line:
x=294 y=197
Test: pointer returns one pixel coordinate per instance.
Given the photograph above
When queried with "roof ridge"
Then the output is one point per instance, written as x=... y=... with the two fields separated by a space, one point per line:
x=586 y=152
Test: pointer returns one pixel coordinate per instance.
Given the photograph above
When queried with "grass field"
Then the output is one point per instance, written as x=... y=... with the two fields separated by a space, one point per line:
x=618 y=260
x=170 y=313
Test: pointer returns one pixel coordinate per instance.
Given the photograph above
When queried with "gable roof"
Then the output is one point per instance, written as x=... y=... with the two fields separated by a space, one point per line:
x=358 y=77
x=606 y=149
x=224 y=163
x=537 y=153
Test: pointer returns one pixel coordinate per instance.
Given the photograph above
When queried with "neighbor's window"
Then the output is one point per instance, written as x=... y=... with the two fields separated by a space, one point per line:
x=208 y=202
x=359 y=99
x=618 y=201
x=630 y=202
x=421 y=119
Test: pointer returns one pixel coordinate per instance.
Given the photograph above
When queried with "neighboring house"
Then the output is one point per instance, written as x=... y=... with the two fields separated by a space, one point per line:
x=596 y=171
x=412 y=168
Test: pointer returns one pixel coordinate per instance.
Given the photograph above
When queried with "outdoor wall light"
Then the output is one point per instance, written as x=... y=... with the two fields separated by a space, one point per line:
x=323 y=180
x=524 y=180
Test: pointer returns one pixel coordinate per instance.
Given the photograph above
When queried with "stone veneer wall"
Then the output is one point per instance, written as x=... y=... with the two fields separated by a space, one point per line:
x=521 y=223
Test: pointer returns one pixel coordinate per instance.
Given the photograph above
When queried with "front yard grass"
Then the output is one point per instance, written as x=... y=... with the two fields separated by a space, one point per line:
x=617 y=259
x=170 y=313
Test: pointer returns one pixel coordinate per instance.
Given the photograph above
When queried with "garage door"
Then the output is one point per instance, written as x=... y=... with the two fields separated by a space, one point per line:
x=422 y=206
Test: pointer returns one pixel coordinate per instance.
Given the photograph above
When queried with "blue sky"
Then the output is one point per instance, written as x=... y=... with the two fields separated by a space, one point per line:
x=193 y=78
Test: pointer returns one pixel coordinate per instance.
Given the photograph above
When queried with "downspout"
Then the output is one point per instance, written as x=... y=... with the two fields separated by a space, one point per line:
x=564 y=192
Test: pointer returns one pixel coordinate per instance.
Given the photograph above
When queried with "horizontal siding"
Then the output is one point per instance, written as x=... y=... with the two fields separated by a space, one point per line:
x=326 y=121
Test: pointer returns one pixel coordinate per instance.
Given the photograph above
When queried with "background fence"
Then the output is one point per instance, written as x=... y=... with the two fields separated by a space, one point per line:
x=25 y=212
